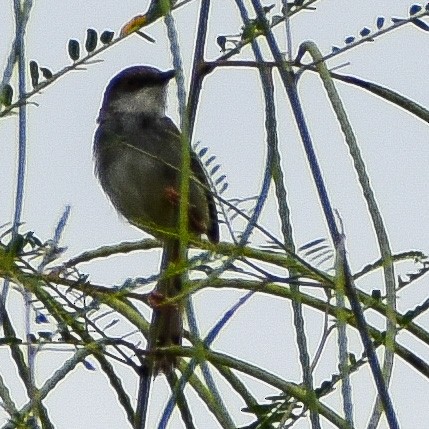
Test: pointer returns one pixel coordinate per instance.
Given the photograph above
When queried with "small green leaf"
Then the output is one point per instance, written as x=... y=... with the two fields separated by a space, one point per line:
x=221 y=41
x=45 y=335
x=415 y=8
x=253 y=29
x=267 y=9
x=31 y=338
x=41 y=318
x=398 y=20
x=380 y=22
x=376 y=294
x=421 y=24
x=88 y=365
x=220 y=179
x=223 y=188
x=74 y=49
x=106 y=37
x=214 y=169
x=47 y=74
x=203 y=151
x=6 y=95
x=365 y=31
x=34 y=73
x=210 y=160
x=91 y=40
x=276 y=19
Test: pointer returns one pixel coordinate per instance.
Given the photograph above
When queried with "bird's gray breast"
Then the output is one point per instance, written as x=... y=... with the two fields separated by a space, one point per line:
x=137 y=166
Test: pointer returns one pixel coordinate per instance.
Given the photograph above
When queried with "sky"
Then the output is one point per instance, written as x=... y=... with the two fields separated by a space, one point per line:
x=230 y=123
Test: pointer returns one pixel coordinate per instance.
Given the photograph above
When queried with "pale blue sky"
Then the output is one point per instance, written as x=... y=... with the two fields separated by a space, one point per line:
x=230 y=122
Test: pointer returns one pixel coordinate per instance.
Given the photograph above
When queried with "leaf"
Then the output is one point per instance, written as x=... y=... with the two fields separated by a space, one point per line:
x=203 y=151
x=319 y=251
x=221 y=41
x=41 y=318
x=91 y=40
x=350 y=39
x=415 y=8
x=16 y=245
x=88 y=365
x=32 y=239
x=220 y=179
x=223 y=188
x=214 y=169
x=376 y=294
x=47 y=74
x=401 y=282
x=380 y=22
x=253 y=29
x=45 y=335
x=34 y=73
x=421 y=24
x=398 y=20
x=325 y=388
x=74 y=49
x=210 y=160
x=388 y=94
x=276 y=19
x=365 y=31
x=134 y=24
x=6 y=94
x=110 y=324
x=311 y=244
x=106 y=37
x=268 y=8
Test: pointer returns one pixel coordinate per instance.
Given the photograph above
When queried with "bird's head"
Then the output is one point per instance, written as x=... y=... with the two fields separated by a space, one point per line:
x=137 y=90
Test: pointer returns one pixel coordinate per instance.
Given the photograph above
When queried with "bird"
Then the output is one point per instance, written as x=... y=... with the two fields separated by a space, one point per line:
x=138 y=159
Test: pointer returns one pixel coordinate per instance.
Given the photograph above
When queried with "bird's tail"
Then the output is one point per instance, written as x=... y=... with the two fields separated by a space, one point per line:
x=167 y=325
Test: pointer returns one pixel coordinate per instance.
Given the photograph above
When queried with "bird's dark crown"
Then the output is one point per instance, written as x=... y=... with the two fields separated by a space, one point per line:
x=137 y=77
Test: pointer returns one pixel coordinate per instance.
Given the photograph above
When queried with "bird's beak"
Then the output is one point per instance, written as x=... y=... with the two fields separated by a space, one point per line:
x=168 y=75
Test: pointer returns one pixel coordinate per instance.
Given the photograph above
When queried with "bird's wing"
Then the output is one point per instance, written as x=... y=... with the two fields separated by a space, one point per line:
x=199 y=172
